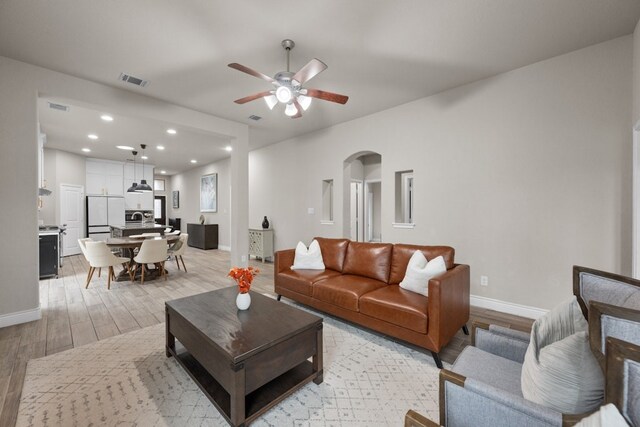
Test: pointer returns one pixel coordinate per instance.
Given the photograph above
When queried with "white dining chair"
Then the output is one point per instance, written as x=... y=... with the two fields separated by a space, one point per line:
x=178 y=248
x=99 y=255
x=82 y=244
x=152 y=251
x=150 y=234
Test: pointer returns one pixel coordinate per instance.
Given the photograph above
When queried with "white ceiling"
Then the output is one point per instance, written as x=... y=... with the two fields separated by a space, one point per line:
x=68 y=131
x=380 y=53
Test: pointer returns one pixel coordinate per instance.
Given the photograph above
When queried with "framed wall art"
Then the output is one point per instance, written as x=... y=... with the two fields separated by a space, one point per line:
x=209 y=193
x=176 y=199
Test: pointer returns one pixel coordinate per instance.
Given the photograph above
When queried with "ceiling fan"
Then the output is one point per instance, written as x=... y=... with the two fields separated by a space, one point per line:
x=288 y=88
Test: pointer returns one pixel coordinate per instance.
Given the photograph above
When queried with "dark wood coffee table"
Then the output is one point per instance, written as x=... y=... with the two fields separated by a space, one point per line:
x=247 y=361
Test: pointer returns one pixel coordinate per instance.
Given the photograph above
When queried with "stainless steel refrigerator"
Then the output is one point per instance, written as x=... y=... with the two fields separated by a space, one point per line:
x=103 y=211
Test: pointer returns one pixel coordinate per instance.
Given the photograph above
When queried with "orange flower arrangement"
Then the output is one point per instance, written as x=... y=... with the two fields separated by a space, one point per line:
x=243 y=277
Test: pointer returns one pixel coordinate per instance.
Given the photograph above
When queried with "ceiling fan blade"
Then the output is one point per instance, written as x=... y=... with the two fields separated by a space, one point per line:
x=251 y=72
x=327 y=96
x=252 y=97
x=309 y=71
x=299 y=107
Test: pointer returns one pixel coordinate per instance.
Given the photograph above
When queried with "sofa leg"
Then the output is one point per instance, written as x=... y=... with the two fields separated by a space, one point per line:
x=279 y=297
x=465 y=329
x=436 y=358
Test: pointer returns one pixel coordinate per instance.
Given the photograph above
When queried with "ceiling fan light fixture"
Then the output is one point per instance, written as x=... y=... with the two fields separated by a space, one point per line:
x=284 y=95
x=271 y=101
x=304 y=101
x=291 y=110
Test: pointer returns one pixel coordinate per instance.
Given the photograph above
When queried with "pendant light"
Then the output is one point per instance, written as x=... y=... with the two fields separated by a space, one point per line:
x=134 y=186
x=143 y=187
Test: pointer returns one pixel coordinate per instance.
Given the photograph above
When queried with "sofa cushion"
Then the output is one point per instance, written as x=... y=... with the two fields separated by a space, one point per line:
x=301 y=281
x=490 y=369
x=398 y=306
x=345 y=290
x=420 y=271
x=369 y=260
x=308 y=258
x=333 y=252
x=402 y=254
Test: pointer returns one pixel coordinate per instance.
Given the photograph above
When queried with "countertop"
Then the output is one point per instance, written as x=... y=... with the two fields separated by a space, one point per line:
x=138 y=226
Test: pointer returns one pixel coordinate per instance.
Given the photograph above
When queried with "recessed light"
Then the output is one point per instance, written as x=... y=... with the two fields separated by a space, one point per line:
x=86 y=150
x=92 y=136
x=163 y=172
x=160 y=147
x=228 y=148
x=144 y=158
x=124 y=147
x=194 y=161
x=171 y=131
x=106 y=118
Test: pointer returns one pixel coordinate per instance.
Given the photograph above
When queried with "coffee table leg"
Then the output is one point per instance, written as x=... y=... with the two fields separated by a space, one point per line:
x=171 y=340
x=317 y=358
x=238 y=396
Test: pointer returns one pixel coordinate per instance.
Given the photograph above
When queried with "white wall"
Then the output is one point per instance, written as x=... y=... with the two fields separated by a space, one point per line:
x=525 y=174
x=60 y=167
x=188 y=184
x=636 y=74
x=20 y=85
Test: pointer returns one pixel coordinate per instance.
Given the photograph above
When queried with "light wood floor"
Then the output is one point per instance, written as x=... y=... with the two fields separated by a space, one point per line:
x=73 y=316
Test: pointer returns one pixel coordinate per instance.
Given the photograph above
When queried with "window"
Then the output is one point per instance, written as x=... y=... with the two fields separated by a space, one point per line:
x=327 y=201
x=158 y=184
x=404 y=198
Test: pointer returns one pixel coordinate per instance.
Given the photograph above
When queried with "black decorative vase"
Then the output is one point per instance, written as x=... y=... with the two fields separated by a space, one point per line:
x=265 y=223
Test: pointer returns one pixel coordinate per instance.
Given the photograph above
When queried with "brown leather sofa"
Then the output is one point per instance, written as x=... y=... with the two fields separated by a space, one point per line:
x=360 y=285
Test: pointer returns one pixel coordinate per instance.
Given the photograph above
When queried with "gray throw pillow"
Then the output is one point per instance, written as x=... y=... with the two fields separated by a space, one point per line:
x=559 y=370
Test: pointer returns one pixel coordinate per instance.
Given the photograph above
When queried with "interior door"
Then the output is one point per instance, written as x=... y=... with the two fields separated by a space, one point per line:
x=71 y=217
x=160 y=209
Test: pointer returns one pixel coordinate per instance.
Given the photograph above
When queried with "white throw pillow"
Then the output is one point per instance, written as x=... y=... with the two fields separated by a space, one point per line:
x=420 y=271
x=308 y=259
x=559 y=370
x=607 y=416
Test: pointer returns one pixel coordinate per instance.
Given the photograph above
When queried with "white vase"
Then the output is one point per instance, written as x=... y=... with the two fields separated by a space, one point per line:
x=243 y=301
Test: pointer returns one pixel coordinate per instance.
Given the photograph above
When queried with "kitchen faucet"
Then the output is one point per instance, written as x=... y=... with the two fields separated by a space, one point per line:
x=137 y=213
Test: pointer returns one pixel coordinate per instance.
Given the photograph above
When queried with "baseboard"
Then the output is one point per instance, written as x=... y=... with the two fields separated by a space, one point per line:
x=20 y=317
x=224 y=248
x=507 y=307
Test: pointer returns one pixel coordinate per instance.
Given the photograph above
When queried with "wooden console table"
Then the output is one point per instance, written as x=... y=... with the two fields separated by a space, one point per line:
x=203 y=236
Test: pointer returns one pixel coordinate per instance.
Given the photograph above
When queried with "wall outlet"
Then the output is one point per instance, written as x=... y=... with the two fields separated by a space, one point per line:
x=311 y=211
x=484 y=281
x=243 y=258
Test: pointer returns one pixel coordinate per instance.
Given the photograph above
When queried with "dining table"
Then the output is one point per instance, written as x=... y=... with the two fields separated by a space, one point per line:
x=129 y=244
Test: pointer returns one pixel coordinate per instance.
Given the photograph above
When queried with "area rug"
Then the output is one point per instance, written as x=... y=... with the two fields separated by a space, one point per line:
x=127 y=380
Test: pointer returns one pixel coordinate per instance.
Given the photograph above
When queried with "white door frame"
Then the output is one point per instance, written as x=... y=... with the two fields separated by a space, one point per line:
x=359 y=210
x=368 y=226
x=636 y=202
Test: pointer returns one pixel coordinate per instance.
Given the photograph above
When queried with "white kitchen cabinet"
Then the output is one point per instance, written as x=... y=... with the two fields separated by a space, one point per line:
x=104 y=177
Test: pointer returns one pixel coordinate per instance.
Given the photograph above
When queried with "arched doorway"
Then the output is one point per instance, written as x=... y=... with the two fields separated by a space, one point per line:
x=362 y=202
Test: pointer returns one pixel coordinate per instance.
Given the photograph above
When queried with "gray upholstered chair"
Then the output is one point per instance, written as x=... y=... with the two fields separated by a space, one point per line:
x=483 y=387
x=609 y=288
x=623 y=378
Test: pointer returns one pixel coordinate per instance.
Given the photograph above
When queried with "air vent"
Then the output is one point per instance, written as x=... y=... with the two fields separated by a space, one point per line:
x=60 y=107
x=254 y=117
x=133 y=80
